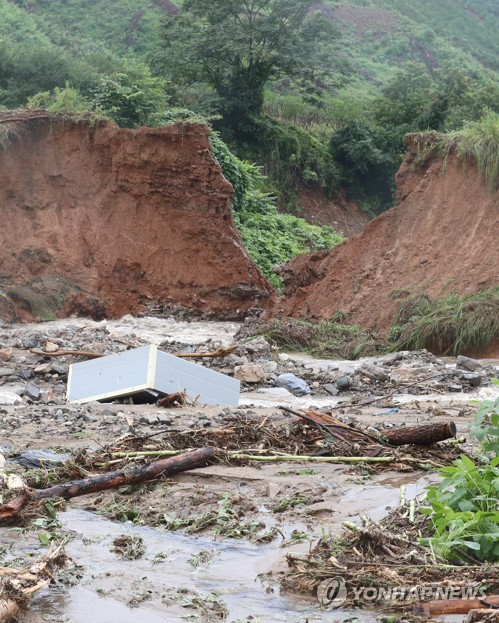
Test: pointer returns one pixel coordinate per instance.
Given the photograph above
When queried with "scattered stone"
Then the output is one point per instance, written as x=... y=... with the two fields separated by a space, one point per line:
x=44 y=368
x=30 y=342
x=5 y=354
x=292 y=383
x=7 y=371
x=374 y=372
x=149 y=419
x=455 y=388
x=60 y=369
x=344 y=383
x=32 y=391
x=475 y=380
x=468 y=364
x=257 y=345
x=26 y=374
x=331 y=389
x=250 y=373
x=51 y=347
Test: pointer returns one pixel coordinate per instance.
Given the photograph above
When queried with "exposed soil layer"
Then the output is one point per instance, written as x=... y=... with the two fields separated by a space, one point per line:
x=344 y=216
x=126 y=219
x=440 y=238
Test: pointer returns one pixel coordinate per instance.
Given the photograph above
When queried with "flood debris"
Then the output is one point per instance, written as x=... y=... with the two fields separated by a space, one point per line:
x=457 y=606
x=18 y=584
x=147 y=369
x=118 y=478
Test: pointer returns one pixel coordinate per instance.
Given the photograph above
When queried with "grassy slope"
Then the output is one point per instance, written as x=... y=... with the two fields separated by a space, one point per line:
x=380 y=35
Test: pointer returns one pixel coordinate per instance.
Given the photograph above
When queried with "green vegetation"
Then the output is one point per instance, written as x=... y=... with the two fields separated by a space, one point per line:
x=270 y=237
x=477 y=141
x=237 y=48
x=324 y=339
x=463 y=506
x=318 y=94
x=451 y=325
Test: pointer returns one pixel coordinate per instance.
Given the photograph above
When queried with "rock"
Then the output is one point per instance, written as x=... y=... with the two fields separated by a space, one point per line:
x=475 y=380
x=60 y=369
x=164 y=418
x=455 y=388
x=32 y=391
x=293 y=383
x=7 y=371
x=405 y=372
x=5 y=354
x=331 y=389
x=30 y=342
x=468 y=364
x=257 y=345
x=44 y=368
x=250 y=373
x=51 y=347
x=270 y=367
x=374 y=372
x=26 y=374
x=9 y=398
x=149 y=419
x=344 y=383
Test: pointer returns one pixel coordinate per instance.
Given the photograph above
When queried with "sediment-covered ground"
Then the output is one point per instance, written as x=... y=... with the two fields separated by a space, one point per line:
x=212 y=542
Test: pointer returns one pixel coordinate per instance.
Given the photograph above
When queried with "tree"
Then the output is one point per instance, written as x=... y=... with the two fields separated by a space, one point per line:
x=237 y=46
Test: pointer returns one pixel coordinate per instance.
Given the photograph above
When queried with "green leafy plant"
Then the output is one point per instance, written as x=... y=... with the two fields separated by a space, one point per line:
x=485 y=427
x=464 y=506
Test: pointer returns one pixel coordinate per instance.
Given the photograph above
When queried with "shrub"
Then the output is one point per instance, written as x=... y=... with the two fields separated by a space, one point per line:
x=463 y=506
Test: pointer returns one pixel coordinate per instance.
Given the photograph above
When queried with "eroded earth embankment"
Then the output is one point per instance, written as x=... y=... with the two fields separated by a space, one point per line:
x=102 y=221
x=440 y=238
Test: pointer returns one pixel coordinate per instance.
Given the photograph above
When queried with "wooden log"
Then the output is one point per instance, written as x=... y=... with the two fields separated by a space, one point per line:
x=111 y=480
x=454 y=606
x=424 y=435
x=121 y=477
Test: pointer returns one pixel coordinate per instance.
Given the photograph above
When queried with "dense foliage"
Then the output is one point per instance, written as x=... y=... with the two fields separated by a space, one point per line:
x=271 y=238
x=318 y=94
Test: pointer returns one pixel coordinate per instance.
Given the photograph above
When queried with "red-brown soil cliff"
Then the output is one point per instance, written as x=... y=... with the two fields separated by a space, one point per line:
x=131 y=218
x=442 y=236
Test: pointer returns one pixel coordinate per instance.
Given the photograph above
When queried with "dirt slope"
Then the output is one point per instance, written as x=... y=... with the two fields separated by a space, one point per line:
x=346 y=217
x=133 y=218
x=442 y=236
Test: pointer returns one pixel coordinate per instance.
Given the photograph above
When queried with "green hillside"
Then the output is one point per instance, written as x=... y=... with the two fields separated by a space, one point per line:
x=319 y=94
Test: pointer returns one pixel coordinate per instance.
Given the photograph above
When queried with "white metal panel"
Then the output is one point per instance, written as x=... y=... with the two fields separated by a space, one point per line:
x=115 y=375
x=174 y=374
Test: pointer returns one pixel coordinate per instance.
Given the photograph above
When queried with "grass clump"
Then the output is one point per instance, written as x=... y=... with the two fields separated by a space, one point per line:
x=449 y=326
x=477 y=141
x=324 y=339
x=44 y=296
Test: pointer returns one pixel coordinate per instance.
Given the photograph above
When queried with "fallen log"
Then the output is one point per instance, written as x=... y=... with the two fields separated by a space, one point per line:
x=454 y=606
x=111 y=480
x=424 y=435
x=221 y=352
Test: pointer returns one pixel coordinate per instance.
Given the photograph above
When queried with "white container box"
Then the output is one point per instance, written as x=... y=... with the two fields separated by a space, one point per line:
x=147 y=368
